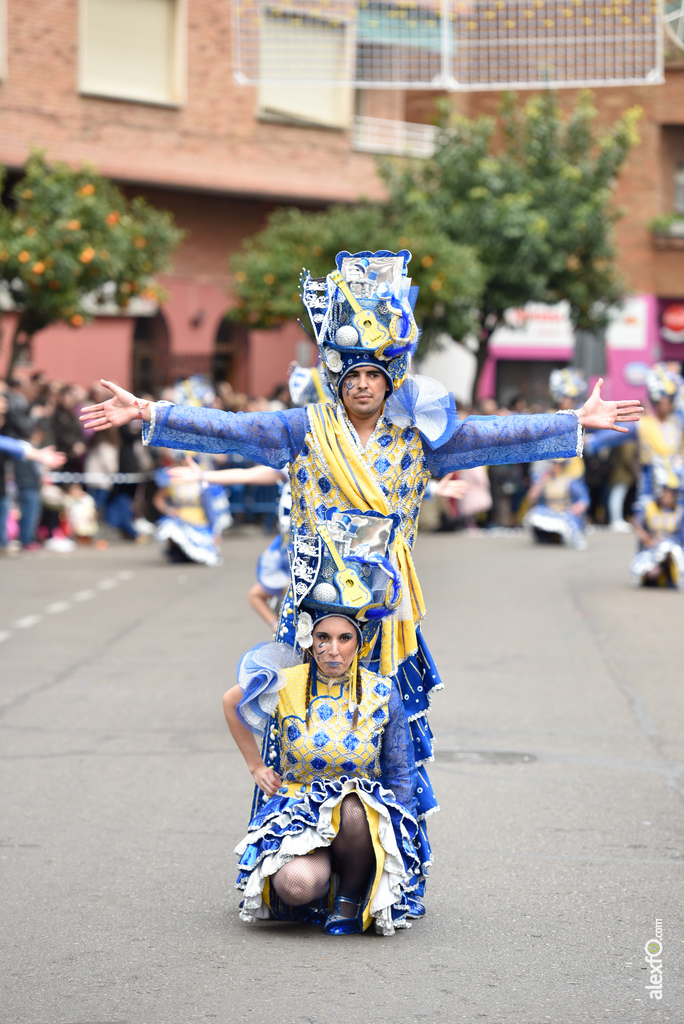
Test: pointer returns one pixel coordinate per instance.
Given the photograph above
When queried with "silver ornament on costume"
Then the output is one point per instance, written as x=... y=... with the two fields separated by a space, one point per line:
x=347 y=337
x=325 y=593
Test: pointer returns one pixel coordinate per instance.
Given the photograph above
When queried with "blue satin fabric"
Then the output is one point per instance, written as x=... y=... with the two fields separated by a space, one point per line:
x=304 y=813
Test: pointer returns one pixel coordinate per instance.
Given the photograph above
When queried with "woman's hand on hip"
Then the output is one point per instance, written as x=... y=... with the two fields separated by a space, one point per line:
x=267 y=779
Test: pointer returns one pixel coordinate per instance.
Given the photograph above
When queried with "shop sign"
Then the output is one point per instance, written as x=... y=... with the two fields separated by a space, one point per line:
x=535 y=326
x=672 y=323
x=635 y=373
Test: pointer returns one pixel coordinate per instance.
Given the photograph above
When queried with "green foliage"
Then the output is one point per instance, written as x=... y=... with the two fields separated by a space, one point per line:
x=506 y=212
x=266 y=271
x=535 y=202
x=668 y=224
x=68 y=234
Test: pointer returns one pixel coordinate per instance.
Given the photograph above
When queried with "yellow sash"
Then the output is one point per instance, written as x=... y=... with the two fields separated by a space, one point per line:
x=360 y=488
x=652 y=435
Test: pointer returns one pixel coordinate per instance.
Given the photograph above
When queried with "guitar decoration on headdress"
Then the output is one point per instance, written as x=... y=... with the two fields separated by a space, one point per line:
x=362 y=314
x=344 y=569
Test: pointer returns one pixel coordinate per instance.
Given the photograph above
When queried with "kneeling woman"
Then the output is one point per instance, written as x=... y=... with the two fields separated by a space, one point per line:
x=334 y=844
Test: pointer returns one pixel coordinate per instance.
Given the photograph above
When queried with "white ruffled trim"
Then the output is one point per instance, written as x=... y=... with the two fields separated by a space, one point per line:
x=423 y=714
x=168 y=529
x=425 y=760
x=426 y=814
x=580 y=429
x=389 y=890
x=148 y=429
x=551 y=521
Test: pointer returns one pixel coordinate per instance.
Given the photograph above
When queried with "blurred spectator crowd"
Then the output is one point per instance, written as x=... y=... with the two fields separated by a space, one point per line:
x=499 y=496
x=106 y=487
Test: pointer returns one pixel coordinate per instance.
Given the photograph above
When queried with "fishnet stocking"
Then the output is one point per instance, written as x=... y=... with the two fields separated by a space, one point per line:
x=353 y=854
x=303 y=879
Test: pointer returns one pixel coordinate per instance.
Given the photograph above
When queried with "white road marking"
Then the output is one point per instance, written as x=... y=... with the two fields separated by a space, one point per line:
x=27 y=621
x=58 y=606
x=62 y=606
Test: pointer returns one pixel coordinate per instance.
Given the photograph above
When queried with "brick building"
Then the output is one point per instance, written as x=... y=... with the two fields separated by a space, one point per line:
x=145 y=91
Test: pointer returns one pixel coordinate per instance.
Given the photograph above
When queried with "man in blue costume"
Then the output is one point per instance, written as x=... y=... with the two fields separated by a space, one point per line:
x=372 y=453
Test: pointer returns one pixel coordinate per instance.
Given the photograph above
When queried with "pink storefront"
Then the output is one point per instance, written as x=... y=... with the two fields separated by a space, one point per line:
x=539 y=338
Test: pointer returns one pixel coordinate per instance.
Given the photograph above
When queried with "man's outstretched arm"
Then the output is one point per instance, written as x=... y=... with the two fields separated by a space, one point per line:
x=270 y=438
x=495 y=440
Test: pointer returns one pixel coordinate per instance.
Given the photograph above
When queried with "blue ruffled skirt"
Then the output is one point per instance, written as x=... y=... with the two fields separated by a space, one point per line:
x=198 y=543
x=273 y=567
x=290 y=826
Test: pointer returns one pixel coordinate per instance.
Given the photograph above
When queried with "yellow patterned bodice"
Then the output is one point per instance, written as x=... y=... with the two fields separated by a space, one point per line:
x=329 y=748
x=662 y=523
x=557 y=492
x=394 y=456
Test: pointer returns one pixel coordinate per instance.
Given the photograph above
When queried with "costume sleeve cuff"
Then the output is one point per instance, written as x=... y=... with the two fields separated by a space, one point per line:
x=259 y=675
x=149 y=430
x=580 y=429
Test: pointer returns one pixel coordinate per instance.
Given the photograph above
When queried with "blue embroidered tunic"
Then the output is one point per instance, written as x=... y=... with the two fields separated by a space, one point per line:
x=401 y=460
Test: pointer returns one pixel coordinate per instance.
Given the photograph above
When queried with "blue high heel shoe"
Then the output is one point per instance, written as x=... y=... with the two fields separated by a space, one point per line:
x=338 y=925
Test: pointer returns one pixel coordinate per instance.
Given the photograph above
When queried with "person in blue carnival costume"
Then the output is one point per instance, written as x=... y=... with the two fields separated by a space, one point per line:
x=659 y=527
x=307 y=386
x=195 y=512
x=335 y=843
x=558 y=494
x=372 y=451
x=567 y=387
x=559 y=500
x=660 y=435
x=10 y=447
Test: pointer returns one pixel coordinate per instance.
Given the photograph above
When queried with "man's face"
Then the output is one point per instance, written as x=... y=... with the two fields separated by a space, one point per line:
x=363 y=391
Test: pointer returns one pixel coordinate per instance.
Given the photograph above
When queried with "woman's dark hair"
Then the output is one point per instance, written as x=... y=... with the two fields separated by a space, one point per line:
x=308 y=658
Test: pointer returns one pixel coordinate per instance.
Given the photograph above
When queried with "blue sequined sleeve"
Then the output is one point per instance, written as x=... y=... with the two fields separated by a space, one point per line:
x=268 y=438
x=495 y=440
x=397 y=764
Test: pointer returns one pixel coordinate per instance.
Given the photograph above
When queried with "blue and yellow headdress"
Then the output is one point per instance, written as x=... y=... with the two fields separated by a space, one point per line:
x=344 y=570
x=661 y=382
x=567 y=383
x=362 y=314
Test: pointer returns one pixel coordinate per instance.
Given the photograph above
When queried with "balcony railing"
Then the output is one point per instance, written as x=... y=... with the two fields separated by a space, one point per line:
x=379 y=135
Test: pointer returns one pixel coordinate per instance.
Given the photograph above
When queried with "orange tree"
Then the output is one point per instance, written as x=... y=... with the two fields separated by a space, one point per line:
x=71 y=241
x=266 y=269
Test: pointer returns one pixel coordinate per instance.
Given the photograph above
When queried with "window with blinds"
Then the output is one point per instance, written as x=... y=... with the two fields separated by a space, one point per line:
x=132 y=50
x=293 y=50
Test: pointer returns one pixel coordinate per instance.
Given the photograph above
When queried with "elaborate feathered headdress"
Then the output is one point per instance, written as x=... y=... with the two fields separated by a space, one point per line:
x=362 y=314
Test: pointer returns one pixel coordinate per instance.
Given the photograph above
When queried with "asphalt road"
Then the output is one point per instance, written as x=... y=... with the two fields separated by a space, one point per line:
x=560 y=773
